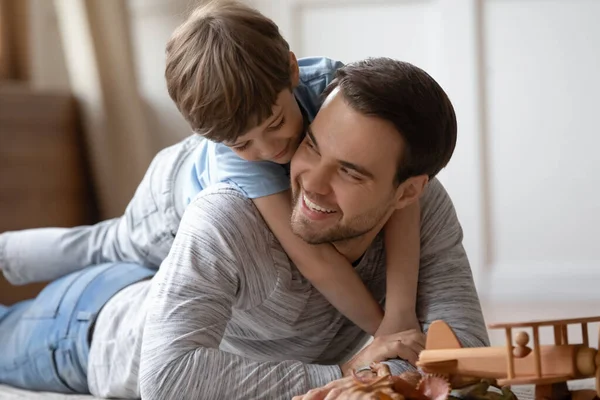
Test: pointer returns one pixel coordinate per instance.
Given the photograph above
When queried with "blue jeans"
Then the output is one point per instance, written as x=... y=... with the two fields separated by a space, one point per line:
x=44 y=342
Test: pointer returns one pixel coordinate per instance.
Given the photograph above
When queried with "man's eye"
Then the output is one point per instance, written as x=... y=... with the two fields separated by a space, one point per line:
x=350 y=175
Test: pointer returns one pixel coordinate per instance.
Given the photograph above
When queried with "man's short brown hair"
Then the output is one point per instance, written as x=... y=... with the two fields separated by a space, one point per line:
x=412 y=101
x=226 y=65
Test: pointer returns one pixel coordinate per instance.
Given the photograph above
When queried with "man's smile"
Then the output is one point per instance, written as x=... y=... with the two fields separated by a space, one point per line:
x=313 y=210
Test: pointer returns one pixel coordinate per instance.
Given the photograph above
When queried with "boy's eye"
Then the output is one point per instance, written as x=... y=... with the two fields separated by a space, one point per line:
x=242 y=147
x=279 y=125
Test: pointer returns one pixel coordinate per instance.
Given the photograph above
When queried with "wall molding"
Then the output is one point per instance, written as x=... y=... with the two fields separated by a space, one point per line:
x=296 y=7
x=343 y=3
x=159 y=8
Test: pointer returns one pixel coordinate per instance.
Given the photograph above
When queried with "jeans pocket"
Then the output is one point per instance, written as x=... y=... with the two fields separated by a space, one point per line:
x=63 y=369
x=37 y=372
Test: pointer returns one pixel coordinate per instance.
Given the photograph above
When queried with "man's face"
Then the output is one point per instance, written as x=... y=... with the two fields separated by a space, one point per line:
x=343 y=174
x=278 y=137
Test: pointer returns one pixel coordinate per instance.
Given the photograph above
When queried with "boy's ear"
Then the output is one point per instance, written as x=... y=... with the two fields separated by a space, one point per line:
x=410 y=190
x=294 y=71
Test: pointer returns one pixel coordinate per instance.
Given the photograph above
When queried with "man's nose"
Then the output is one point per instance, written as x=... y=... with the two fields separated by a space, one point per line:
x=317 y=181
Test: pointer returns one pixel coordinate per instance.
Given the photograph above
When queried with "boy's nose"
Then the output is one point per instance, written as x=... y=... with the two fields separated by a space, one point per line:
x=269 y=149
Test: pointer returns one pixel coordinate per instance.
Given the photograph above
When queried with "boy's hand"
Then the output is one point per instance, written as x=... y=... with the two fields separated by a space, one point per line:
x=405 y=345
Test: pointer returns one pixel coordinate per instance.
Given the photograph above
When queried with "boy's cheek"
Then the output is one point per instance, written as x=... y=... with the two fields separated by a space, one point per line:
x=246 y=155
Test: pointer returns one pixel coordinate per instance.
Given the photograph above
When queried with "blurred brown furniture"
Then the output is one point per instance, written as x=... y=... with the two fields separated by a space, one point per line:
x=43 y=174
x=14 y=40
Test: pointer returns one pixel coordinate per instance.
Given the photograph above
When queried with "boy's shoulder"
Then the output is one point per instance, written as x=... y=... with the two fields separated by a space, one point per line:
x=315 y=74
x=317 y=69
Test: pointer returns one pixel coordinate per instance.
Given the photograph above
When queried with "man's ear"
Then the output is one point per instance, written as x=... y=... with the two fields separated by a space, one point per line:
x=294 y=71
x=410 y=190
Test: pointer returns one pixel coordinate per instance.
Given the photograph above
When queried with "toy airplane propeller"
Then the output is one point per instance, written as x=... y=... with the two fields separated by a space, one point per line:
x=548 y=367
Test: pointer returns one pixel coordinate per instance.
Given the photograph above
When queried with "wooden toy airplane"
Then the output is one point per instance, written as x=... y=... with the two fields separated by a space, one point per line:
x=548 y=367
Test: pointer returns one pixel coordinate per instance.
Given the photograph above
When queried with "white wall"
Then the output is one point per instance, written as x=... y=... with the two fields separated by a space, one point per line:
x=523 y=76
x=152 y=22
x=542 y=83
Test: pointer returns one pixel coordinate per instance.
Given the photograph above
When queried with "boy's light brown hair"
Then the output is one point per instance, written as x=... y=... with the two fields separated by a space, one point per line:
x=225 y=66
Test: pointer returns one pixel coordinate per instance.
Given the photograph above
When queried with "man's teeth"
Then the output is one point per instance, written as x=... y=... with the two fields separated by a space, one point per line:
x=316 y=207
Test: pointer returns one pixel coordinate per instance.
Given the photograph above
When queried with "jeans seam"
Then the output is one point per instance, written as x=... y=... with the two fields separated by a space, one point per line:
x=56 y=371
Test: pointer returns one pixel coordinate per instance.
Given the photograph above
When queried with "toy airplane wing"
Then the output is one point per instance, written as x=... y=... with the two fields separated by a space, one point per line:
x=438 y=367
x=533 y=380
x=560 y=326
x=549 y=322
x=439 y=337
x=443 y=354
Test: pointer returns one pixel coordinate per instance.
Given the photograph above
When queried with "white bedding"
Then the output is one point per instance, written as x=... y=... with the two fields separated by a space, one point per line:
x=9 y=393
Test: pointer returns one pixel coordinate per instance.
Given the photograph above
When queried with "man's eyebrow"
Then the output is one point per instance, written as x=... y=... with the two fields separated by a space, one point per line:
x=345 y=164
x=357 y=168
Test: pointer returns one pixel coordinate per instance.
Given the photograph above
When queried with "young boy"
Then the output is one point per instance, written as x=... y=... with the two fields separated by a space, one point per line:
x=233 y=78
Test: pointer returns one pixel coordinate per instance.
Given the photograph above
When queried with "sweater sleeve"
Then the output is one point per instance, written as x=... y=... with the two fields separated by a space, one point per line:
x=191 y=302
x=446 y=289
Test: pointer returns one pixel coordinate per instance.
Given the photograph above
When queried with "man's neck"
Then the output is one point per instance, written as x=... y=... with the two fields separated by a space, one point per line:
x=353 y=249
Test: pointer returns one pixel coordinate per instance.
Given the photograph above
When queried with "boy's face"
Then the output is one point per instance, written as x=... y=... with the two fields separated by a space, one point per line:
x=278 y=137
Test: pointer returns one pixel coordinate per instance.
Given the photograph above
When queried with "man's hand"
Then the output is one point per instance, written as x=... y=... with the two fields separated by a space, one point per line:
x=333 y=389
x=405 y=345
x=360 y=386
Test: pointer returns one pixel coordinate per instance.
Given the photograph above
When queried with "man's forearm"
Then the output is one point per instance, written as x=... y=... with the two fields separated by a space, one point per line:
x=193 y=296
x=214 y=374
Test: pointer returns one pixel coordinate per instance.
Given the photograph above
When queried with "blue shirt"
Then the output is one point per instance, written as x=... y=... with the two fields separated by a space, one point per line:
x=215 y=162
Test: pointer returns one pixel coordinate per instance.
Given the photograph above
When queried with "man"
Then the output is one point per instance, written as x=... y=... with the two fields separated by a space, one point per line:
x=228 y=315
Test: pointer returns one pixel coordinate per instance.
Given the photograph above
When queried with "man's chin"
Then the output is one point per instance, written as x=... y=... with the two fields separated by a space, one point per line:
x=306 y=233
x=312 y=238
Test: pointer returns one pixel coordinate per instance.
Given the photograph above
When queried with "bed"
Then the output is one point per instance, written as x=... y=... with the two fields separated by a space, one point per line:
x=9 y=393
